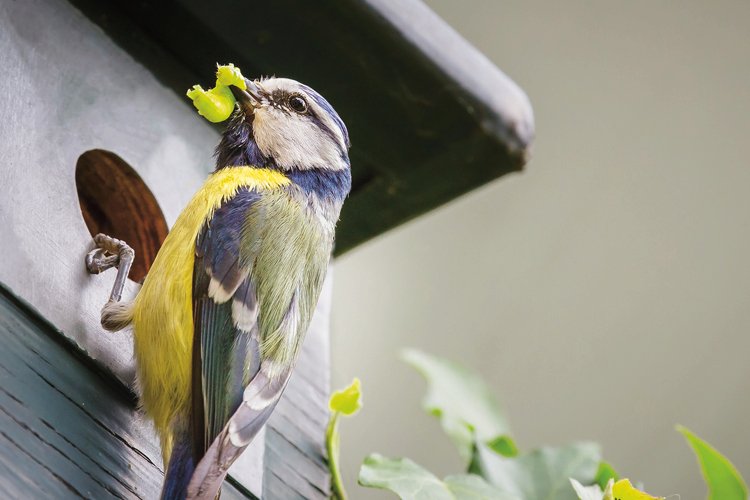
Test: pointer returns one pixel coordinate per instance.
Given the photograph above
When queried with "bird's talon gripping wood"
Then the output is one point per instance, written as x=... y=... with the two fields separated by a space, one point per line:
x=99 y=260
x=111 y=252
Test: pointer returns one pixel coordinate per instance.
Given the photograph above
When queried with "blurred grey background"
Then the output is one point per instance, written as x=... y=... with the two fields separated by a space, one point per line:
x=603 y=292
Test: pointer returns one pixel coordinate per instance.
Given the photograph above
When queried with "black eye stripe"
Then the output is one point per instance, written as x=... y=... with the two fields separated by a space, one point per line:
x=281 y=99
x=326 y=130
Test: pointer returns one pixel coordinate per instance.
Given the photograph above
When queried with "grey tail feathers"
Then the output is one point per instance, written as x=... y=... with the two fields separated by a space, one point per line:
x=210 y=472
x=259 y=400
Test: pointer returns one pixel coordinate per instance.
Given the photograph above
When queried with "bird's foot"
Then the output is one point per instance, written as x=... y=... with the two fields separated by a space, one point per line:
x=111 y=252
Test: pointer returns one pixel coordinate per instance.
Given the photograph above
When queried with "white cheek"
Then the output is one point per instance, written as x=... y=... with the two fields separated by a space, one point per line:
x=293 y=141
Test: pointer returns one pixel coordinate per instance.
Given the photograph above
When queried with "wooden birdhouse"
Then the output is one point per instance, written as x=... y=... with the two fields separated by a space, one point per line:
x=97 y=136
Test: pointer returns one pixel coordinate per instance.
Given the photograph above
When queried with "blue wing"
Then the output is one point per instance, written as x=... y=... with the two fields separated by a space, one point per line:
x=225 y=310
x=241 y=367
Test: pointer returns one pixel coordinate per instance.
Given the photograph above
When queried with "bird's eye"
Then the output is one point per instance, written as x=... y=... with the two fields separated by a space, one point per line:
x=298 y=103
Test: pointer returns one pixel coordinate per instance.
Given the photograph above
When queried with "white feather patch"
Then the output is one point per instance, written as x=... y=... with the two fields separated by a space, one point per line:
x=218 y=292
x=244 y=317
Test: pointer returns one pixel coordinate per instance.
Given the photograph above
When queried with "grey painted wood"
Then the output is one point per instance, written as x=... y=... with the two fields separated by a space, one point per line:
x=71 y=90
x=74 y=90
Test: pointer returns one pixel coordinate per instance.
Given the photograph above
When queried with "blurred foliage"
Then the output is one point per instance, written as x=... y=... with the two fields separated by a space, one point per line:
x=543 y=473
x=461 y=400
x=472 y=418
x=409 y=480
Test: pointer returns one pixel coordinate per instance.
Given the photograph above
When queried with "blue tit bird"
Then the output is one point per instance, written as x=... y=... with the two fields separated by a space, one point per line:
x=220 y=318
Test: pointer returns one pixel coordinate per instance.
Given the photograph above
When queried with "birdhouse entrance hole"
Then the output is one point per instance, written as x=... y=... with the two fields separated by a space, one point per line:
x=115 y=201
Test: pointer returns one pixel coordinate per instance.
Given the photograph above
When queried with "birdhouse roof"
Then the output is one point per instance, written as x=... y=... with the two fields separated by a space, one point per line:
x=429 y=116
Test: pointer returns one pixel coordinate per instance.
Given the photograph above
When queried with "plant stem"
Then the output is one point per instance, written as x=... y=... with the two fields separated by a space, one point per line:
x=332 y=445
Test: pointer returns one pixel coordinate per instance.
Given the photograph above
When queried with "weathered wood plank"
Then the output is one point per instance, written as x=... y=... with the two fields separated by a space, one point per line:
x=72 y=429
x=29 y=477
x=77 y=431
x=298 y=430
x=284 y=465
x=66 y=431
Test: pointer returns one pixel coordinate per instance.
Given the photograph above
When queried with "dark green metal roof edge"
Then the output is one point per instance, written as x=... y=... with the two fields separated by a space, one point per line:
x=429 y=116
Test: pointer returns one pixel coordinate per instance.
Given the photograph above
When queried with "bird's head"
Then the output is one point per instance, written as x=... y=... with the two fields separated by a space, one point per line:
x=285 y=124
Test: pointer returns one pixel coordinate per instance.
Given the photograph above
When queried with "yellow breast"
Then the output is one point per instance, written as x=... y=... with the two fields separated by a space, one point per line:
x=163 y=309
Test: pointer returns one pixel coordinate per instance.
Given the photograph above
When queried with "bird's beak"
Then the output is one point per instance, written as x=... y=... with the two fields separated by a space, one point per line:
x=250 y=98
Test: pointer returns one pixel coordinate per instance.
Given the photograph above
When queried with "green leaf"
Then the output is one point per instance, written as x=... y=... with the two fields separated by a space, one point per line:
x=473 y=487
x=543 y=474
x=504 y=446
x=348 y=400
x=403 y=477
x=461 y=400
x=722 y=478
x=604 y=474
x=412 y=482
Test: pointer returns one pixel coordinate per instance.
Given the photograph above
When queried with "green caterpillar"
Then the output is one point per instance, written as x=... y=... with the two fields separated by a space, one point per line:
x=217 y=104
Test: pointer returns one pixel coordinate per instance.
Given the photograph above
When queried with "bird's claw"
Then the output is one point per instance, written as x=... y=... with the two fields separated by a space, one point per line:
x=109 y=252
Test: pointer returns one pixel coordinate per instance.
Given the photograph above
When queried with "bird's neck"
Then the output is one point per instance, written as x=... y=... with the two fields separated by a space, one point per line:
x=237 y=147
x=327 y=184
